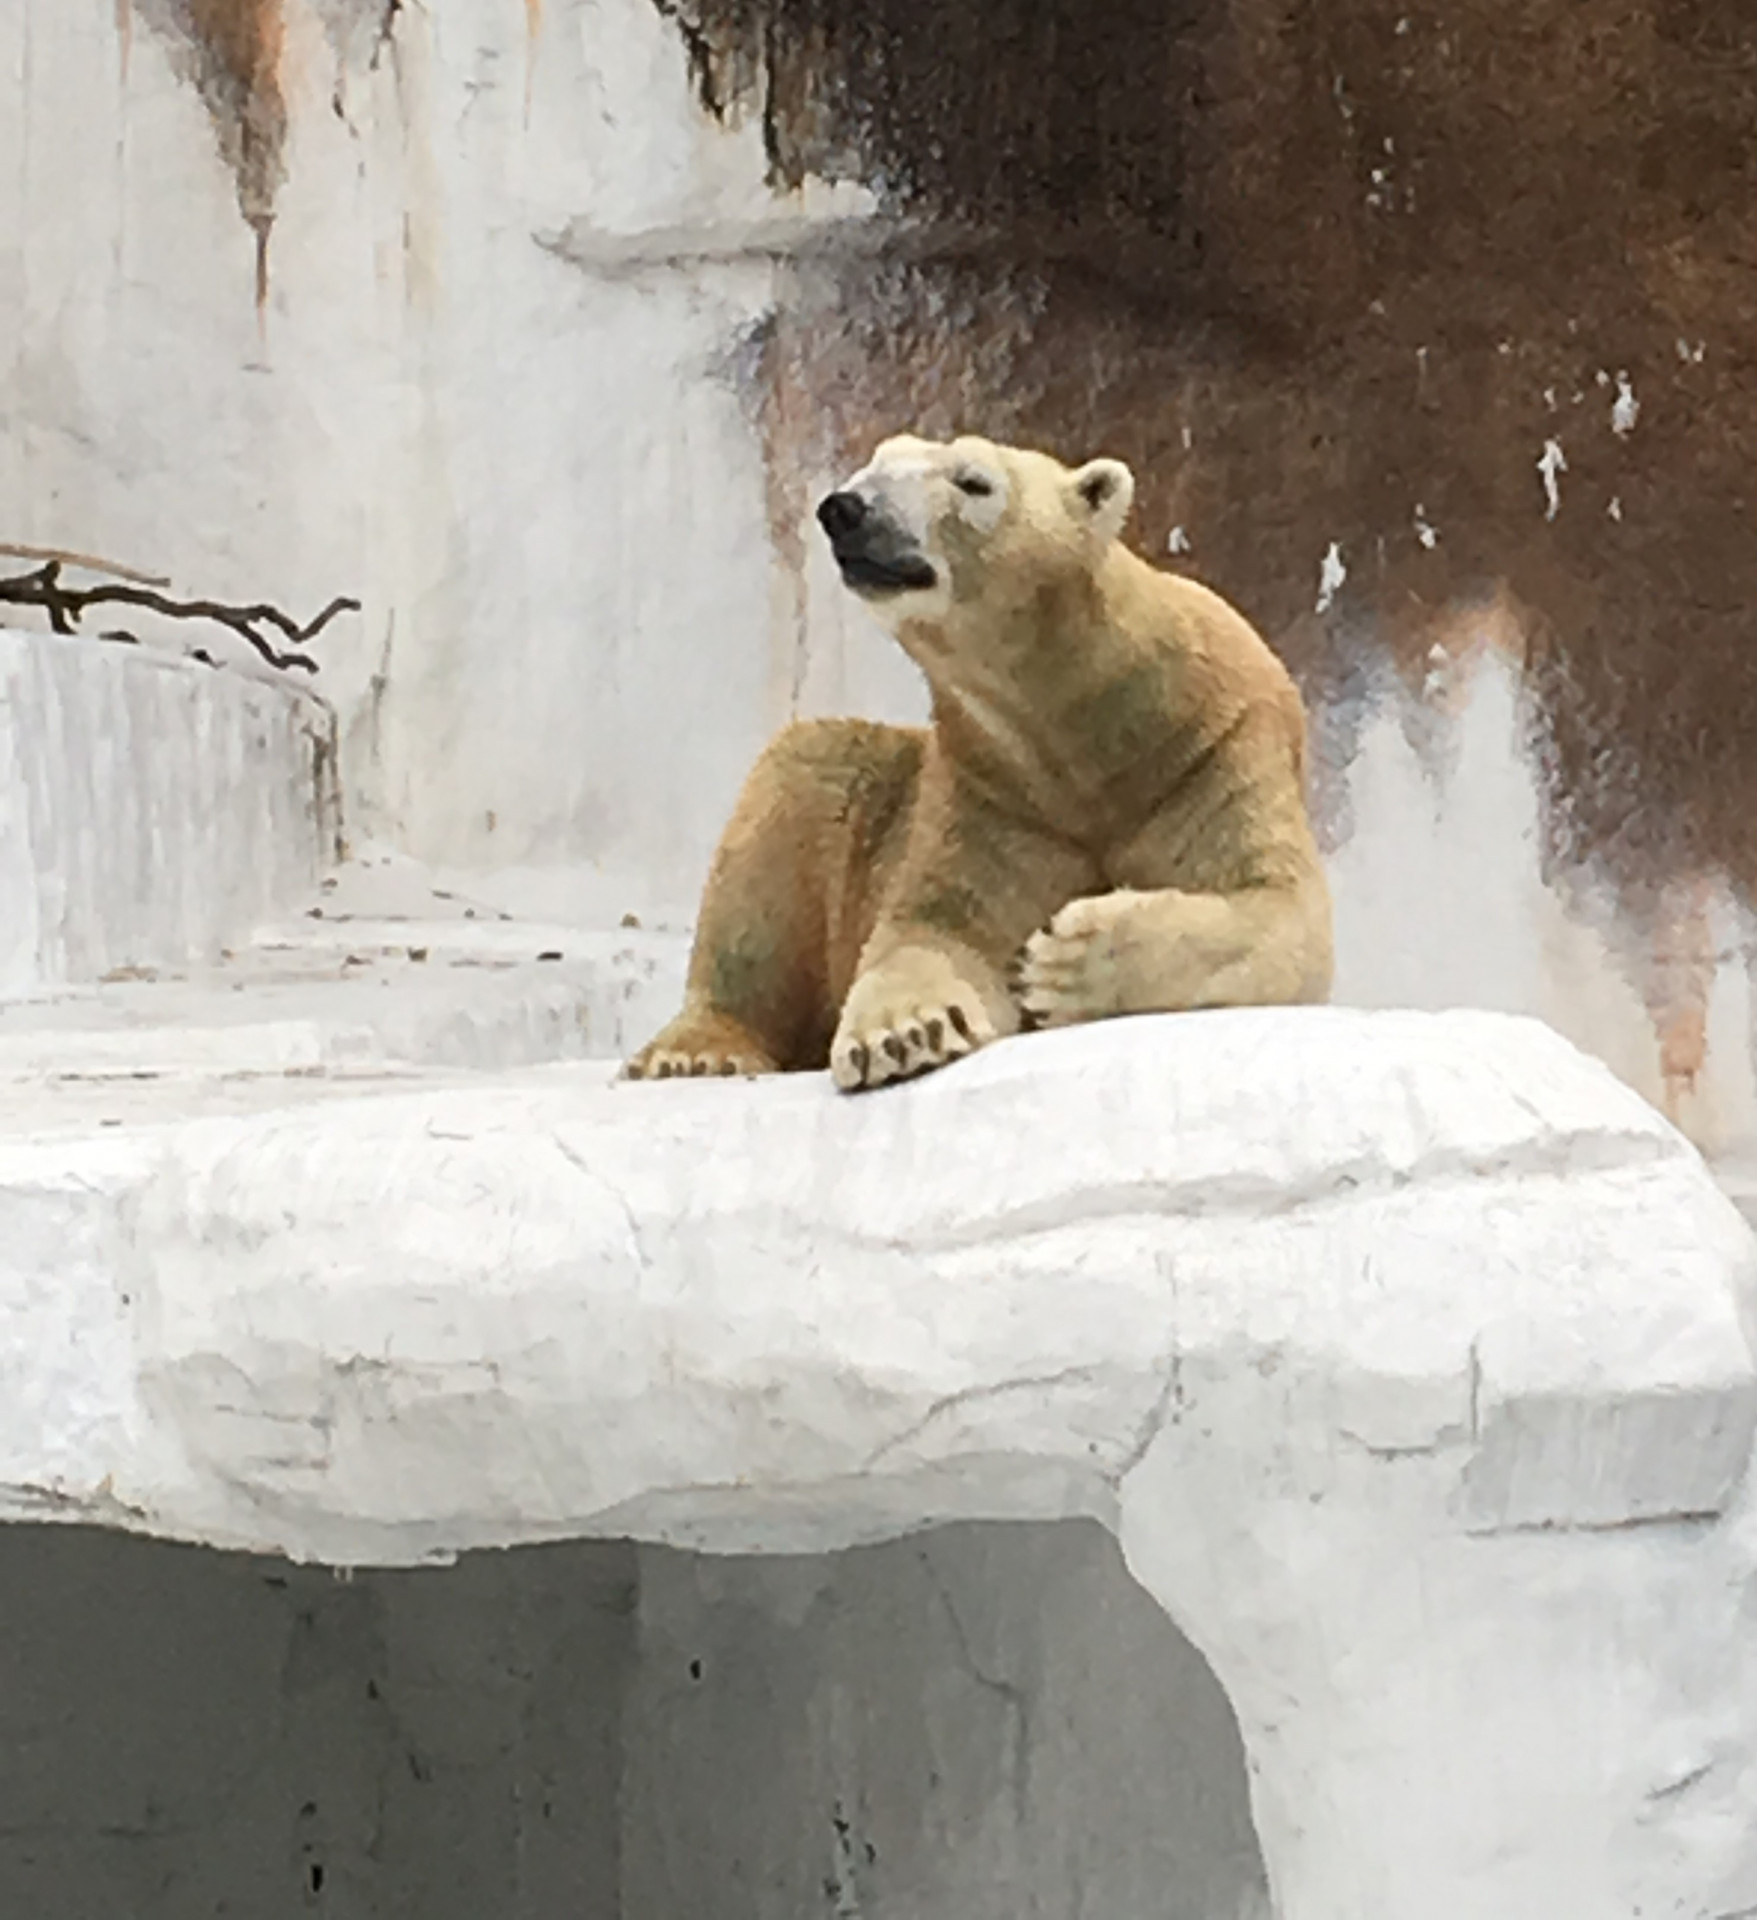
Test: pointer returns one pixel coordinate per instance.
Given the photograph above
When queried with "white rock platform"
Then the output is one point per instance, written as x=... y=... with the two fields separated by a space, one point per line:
x=1408 y=1356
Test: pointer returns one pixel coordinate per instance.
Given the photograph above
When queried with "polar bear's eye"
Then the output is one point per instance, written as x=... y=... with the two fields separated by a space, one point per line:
x=977 y=485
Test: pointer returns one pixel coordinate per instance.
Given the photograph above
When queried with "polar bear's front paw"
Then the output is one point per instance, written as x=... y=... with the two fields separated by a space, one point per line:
x=1078 y=967
x=696 y=1047
x=904 y=1045
x=909 y=1015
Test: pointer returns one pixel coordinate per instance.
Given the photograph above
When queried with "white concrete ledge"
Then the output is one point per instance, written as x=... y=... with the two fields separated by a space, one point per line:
x=1409 y=1355
x=371 y=1008
x=152 y=810
x=1445 y=1237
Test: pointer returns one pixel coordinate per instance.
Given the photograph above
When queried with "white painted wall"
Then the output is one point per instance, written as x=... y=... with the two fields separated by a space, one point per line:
x=547 y=497
x=1442 y=900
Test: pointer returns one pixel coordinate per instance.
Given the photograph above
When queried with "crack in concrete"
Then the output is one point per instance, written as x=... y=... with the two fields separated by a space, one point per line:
x=1011 y=1696
x=844 y=1886
x=637 y=1245
x=1163 y=1413
x=1675 y=1789
x=1677 y=1517
x=1167 y=1408
x=1268 y=1198
x=972 y=1396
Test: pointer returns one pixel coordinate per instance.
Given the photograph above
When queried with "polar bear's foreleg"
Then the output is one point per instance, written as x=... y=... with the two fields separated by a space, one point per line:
x=788 y=903
x=932 y=984
x=1169 y=951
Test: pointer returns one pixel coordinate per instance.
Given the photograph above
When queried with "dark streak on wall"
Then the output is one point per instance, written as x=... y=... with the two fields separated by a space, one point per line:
x=1371 y=256
x=231 y=50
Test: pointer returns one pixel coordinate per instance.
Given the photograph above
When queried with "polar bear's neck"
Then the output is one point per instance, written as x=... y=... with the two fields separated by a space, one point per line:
x=1035 y=646
x=1046 y=702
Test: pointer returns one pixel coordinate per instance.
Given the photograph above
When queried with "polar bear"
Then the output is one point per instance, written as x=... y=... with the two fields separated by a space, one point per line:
x=1105 y=814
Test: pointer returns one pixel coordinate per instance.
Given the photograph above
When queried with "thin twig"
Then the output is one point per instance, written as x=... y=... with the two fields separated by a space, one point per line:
x=64 y=606
x=86 y=562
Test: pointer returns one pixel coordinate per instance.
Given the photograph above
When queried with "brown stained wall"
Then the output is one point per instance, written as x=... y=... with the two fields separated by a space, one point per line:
x=1370 y=255
x=231 y=50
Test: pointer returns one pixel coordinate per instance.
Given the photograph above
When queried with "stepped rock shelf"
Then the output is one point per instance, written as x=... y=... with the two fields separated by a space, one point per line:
x=1408 y=1356
x=208 y=807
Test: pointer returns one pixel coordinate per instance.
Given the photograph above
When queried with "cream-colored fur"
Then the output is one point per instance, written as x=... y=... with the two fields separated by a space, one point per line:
x=1105 y=815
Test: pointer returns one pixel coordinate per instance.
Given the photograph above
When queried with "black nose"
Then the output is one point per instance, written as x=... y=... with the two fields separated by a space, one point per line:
x=840 y=514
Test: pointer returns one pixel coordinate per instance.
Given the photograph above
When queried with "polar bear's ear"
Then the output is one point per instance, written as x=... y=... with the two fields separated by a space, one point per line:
x=1106 y=489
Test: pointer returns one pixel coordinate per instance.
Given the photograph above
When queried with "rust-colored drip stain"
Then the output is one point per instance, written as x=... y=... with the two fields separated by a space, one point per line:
x=1334 y=274
x=231 y=50
x=1679 y=979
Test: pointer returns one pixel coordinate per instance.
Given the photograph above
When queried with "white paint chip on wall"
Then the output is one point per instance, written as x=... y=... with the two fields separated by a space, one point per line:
x=1625 y=409
x=1551 y=463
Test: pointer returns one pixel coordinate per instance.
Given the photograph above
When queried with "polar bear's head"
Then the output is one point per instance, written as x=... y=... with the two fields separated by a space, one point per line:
x=929 y=526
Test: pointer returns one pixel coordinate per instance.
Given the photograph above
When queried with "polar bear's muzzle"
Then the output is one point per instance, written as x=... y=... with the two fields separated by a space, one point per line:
x=876 y=552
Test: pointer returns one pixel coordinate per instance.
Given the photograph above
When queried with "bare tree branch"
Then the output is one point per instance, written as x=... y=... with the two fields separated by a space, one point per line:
x=65 y=605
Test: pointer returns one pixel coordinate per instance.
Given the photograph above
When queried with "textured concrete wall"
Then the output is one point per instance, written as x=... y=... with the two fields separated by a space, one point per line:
x=986 y=1723
x=980 y=1723
x=185 y=1733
